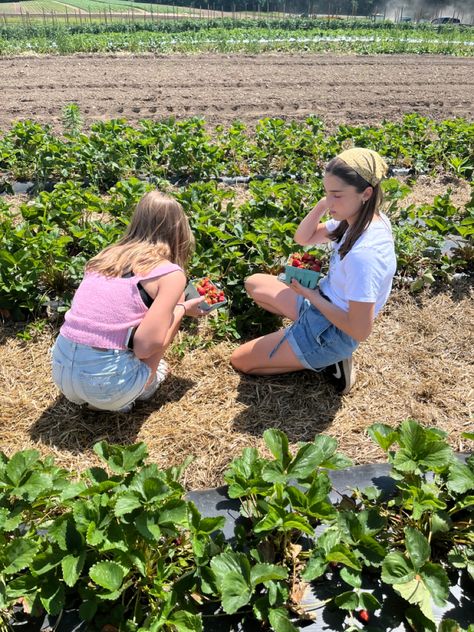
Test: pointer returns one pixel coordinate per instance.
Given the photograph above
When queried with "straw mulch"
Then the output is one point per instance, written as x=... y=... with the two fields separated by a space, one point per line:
x=417 y=363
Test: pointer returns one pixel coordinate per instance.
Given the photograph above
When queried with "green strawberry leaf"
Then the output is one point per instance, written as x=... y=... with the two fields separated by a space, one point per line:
x=418 y=547
x=396 y=569
x=126 y=503
x=437 y=582
x=343 y=555
x=235 y=590
x=18 y=555
x=461 y=478
x=109 y=575
x=52 y=596
x=261 y=573
x=351 y=577
x=416 y=592
x=315 y=567
x=347 y=600
x=383 y=435
x=186 y=621
x=280 y=621
x=230 y=562
x=72 y=567
x=277 y=442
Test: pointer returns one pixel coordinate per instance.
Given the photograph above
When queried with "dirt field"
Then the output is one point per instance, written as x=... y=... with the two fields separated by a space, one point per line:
x=222 y=88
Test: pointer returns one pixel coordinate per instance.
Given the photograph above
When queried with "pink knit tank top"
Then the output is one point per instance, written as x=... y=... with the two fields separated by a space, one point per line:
x=104 y=308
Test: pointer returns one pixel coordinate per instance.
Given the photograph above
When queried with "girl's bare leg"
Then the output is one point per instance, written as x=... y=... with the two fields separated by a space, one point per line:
x=273 y=295
x=253 y=357
x=154 y=360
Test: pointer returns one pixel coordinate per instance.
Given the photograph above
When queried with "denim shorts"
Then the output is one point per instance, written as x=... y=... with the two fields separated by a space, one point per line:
x=315 y=341
x=107 y=380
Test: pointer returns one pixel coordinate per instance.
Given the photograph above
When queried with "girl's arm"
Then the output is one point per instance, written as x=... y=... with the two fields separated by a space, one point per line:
x=357 y=322
x=311 y=230
x=152 y=333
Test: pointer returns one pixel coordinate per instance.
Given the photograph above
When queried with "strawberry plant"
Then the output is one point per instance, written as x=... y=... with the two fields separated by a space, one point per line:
x=416 y=541
x=282 y=500
x=118 y=546
x=123 y=546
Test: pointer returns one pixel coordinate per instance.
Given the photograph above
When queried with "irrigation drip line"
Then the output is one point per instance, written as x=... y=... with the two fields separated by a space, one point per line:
x=320 y=38
x=15 y=187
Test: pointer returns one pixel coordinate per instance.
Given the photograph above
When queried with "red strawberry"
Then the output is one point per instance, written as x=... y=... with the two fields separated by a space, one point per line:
x=296 y=263
x=364 y=615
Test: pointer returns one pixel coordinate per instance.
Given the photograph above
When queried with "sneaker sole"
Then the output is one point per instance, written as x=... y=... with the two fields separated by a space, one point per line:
x=349 y=374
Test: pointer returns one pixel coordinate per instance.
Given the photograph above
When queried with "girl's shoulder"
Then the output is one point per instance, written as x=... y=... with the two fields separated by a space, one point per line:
x=380 y=228
x=163 y=268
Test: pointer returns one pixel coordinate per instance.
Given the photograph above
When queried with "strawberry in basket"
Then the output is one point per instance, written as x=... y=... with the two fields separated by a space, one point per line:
x=306 y=261
x=211 y=293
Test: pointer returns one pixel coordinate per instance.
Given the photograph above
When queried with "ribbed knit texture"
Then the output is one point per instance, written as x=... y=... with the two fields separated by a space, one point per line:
x=104 y=308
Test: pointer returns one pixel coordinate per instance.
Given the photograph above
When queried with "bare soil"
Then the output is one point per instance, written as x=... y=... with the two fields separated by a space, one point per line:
x=222 y=88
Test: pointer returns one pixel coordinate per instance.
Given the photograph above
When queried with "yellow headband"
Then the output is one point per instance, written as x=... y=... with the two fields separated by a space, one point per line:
x=365 y=162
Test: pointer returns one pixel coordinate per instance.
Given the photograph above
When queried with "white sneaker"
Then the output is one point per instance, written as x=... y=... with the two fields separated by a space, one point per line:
x=160 y=376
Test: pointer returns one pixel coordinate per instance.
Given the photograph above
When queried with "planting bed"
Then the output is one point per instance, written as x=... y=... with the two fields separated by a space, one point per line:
x=222 y=88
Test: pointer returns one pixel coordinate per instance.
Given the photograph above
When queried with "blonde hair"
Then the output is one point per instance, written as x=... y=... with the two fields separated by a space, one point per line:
x=158 y=230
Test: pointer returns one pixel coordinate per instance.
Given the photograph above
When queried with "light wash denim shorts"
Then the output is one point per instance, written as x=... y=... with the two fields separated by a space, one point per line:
x=108 y=380
x=315 y=341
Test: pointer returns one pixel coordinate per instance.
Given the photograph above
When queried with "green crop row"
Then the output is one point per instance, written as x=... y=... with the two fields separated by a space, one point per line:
x=185 y=151
x=45 y=244
x=224 y=36
x=120 y=546
x=27 y=30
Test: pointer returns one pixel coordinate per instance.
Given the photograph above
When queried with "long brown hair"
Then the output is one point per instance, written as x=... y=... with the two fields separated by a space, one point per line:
x=369 y=208
x=158 y=230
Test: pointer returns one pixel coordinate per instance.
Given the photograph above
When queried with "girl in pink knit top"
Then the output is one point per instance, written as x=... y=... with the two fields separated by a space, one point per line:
x=127 y=310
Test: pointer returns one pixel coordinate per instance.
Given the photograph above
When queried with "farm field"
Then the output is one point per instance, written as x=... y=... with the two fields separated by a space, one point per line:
x=223 y=88
x=241 y=141
x=416 y=364
x=48 y=6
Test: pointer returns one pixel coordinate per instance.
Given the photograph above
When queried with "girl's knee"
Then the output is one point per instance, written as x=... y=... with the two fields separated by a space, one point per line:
x=254 y=283
x=250 y=283
x=237 y=361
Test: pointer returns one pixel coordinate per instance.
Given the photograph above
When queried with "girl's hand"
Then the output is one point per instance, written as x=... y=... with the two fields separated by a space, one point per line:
x=192 y=307
x=301 y=290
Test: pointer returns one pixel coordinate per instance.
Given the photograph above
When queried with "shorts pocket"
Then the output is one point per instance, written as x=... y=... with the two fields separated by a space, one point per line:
x=325 y=335
x=111 y=390
x=102 y=387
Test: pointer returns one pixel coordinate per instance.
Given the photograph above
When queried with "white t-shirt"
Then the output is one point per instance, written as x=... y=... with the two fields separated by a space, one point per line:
x=365 y=274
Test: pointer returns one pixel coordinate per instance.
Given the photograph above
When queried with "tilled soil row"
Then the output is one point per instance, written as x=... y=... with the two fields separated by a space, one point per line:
x=223 y=88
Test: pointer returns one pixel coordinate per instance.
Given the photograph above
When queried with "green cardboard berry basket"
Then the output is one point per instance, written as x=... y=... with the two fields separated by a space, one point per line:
x=191 y=292
x=307 y=278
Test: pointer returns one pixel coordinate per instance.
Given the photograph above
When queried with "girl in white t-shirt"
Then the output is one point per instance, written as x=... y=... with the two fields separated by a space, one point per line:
x=330 y=321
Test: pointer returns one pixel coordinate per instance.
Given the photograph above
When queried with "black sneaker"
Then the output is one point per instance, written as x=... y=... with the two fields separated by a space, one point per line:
x=341 y=375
